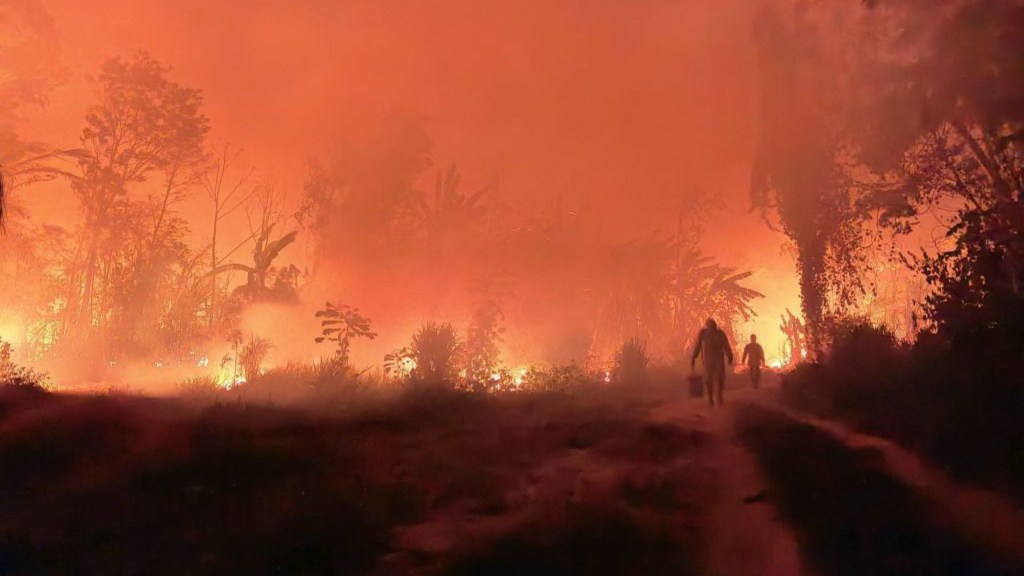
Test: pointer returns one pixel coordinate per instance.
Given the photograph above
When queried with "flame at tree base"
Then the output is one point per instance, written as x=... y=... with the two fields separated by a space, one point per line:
x=228 y=379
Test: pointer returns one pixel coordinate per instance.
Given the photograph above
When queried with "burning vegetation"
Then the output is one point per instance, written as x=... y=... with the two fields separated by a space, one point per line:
x=127 y=286
x=171 y=244
x=484 y=264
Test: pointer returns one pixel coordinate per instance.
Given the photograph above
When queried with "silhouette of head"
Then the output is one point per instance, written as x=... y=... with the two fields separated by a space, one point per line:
x=753 y=338
x=710 y=324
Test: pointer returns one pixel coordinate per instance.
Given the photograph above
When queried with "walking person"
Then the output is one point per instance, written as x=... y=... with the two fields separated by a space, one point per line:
x=713 y=348
x=753 y=357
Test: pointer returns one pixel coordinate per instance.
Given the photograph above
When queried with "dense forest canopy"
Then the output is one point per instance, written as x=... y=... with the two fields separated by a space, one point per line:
x=874 y=115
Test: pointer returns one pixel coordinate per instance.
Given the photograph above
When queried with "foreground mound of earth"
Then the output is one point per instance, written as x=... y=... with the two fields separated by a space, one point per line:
x=604 y=481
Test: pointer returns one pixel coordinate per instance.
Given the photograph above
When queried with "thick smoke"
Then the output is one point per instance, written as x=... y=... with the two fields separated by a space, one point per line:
x=623 y=118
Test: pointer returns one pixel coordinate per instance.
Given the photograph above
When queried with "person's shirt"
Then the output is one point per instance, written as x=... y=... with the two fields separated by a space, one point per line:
x=753 y=354
x=712 y=344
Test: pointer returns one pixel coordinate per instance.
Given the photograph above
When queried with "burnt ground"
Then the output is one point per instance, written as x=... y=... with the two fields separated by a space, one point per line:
x=610 y=481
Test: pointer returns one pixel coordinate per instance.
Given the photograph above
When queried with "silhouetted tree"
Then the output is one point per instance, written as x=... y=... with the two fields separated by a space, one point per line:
x=663 y=292
x=796 y=338
x=483 y=338
x=358 y=199
x=636 y=279
x=340 y=325
x=227 y=198
x=961 y=141
x=450 y=217
x=798 y=173
x=702 y=289
x=264 y=253
x=143 y=124
x=264 y=281
x=30 y=67
x=26 y=163
x=30 y=58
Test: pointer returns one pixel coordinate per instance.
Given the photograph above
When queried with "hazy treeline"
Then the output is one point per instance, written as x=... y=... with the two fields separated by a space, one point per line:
x=140 y=276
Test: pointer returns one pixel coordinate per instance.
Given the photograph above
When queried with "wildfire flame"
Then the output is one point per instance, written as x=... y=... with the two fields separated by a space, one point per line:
x=408 y=365
x=227 y=379
x=520 y=375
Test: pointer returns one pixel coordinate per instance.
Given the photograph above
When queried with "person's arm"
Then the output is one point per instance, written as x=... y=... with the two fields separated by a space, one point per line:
x=697 y=348
x=728 y=347
x=746 y=350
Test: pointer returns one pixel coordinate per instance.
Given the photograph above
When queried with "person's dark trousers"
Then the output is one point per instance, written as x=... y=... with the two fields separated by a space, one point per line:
x=714 y=381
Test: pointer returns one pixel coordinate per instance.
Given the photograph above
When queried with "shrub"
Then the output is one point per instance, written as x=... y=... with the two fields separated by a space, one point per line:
x=859 y=346
x=557 y=379
x=435 y=350
x=865 y=369
x=332 y=369
x=631 y=362
x=295 y=382
x=399 y=363
x=199 y=386
x=13 y=375
x=807 y=387
x=955 y=401
x=252 y=355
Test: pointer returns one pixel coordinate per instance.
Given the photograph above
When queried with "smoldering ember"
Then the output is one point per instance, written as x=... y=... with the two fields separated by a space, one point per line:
x=518 y=287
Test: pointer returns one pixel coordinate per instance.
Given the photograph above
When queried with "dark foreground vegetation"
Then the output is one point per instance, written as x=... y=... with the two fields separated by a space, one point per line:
x=415 y=482
x=850 y=516
x=956 y=401
x=871 y=148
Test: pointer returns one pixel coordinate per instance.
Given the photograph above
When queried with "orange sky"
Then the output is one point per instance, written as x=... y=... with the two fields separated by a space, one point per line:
x=622 y=106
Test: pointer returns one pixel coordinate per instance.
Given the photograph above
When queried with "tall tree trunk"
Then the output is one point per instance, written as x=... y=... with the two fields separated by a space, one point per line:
x=3 y=199
x=212 y=312
x=84 y=316
x=811 y=260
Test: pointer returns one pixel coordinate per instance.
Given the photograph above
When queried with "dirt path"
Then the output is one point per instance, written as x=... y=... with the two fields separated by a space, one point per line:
x=743 y=532
x=612 y=492
x=749 y=488
x=675 y=483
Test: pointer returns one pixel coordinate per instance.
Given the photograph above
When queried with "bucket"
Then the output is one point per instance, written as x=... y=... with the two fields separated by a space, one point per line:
x=695 y=383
